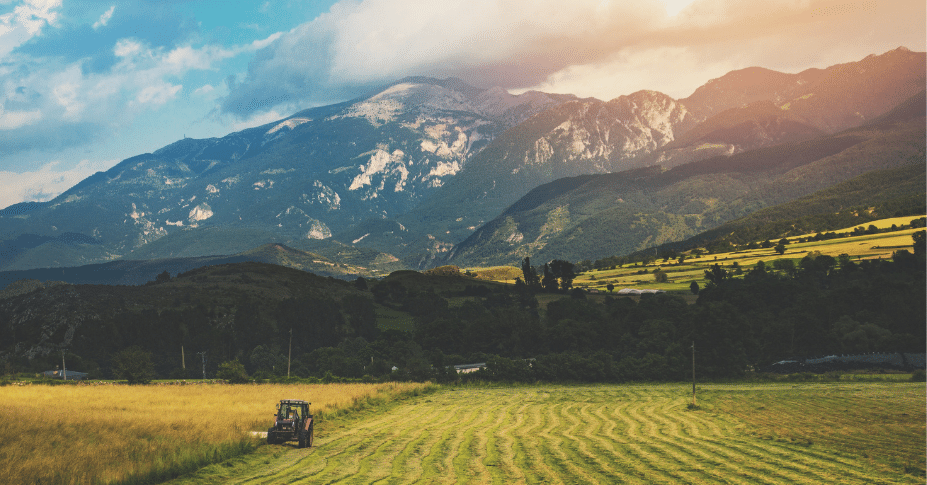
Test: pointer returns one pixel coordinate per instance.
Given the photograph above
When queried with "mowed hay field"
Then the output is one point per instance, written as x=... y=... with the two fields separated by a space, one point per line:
x=105 y=433
x=743 y=433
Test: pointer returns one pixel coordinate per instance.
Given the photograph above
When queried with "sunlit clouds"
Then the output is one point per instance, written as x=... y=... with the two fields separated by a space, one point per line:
x=46 y=181
x=111 y=79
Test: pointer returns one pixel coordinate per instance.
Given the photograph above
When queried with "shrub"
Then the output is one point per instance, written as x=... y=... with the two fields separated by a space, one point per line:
x=233 y=372
x=919 y=376
x=134 y=365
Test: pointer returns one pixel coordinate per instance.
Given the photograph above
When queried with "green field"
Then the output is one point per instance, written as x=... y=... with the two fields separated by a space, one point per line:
x=743 y=433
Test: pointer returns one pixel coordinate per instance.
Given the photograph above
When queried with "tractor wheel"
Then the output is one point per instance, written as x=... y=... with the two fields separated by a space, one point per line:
x=310 y=437
x=270 y=437
x=302 y=438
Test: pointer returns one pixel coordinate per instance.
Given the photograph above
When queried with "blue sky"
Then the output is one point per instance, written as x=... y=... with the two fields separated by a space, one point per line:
x=85 y=84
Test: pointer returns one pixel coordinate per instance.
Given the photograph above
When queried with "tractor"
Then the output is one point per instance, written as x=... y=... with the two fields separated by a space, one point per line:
x=291 y=423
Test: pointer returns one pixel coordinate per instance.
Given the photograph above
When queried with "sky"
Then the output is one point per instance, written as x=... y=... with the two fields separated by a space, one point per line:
x=85 y=84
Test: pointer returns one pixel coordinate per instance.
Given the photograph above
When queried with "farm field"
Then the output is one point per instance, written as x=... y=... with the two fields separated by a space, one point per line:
x=680 y=276
x=105 y=433
x=743 y=433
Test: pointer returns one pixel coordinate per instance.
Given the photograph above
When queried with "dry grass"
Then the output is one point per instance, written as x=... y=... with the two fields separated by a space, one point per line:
x=504 y=274
x=100 y=434
x=881 y=224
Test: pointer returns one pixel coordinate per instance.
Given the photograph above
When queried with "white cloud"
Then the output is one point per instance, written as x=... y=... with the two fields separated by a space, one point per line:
x=632 y=70
x=258 y=119
x=158 y=93
x=204 y=90
x=34 y=14
x=25 y=22
x=127 y=48
x=14 y=119
x=262 y=43
x=673 y=7
x=66 y=91
x=45 y=183
x=104 y=19
x=64 y=95
x=515 y=44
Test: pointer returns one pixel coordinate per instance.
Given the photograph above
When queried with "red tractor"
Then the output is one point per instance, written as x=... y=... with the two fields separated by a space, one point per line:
x=291 y=423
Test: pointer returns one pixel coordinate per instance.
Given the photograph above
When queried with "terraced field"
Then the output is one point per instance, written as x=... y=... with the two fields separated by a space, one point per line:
x=613 y=434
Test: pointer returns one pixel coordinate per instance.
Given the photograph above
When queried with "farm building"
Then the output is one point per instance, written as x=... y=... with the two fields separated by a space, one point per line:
x=468 y=368
x=71 y=375
x=874 y=360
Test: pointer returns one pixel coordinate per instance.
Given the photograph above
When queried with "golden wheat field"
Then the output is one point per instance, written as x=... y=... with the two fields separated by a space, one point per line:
x=105 y=433
x=806 y=433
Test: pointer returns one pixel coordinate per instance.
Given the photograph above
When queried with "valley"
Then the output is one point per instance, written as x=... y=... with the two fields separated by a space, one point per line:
x=660 y=241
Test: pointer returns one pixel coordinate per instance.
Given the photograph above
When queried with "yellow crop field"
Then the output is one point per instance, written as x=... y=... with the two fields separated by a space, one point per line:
x=811 y=433
x=868 y=246
x=881 y=224
x=104 y=433
x=505 y=274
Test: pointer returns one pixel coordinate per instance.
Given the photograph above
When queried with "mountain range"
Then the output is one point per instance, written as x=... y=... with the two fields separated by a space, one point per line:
x=425 y=171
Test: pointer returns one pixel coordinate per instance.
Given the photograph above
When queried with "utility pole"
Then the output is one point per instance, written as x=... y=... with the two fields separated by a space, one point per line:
x=203 y=355
x=290 y=356
x=693 y=374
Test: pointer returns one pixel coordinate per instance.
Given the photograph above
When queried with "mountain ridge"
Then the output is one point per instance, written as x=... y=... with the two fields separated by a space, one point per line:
x=594 y=216
x=416 y=167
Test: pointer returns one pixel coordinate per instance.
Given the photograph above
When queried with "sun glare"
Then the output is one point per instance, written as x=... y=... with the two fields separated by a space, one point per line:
x=673 y=7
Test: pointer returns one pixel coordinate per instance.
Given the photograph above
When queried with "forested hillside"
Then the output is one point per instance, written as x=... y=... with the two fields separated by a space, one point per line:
x=594 y=216
x=247 y=311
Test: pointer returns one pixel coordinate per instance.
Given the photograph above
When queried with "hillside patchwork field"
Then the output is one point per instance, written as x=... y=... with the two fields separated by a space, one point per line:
x=681 y=275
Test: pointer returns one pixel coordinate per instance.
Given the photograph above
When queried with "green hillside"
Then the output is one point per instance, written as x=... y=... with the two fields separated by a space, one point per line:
x=591 y=217
x=869 y=197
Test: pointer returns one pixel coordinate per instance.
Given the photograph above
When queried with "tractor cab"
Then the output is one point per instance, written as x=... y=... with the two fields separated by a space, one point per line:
x=292 y=422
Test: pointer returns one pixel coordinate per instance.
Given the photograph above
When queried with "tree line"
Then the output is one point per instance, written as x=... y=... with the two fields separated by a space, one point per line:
x=820 y=306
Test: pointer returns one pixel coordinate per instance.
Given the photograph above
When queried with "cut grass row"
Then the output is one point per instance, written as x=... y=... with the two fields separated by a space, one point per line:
x=131 y=434
x=744 y=433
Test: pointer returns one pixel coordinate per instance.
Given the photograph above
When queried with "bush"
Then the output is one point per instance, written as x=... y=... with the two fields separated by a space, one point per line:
x=134 y=365
x=233 y=372
x=919 y=376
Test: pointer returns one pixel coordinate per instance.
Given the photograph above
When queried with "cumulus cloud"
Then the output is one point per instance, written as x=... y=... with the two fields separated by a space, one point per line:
x=158 y=93
x=258 y=119
x=204 y=90
x=43 y=100
x=10 y=120
x=25 y=22
x=638 y=44
x=46 y=182
x=104 y=19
